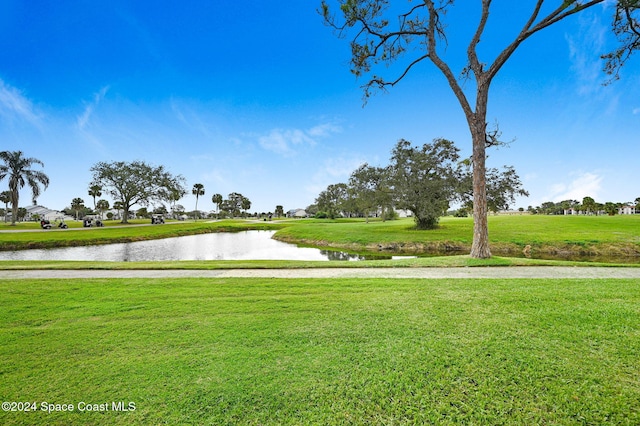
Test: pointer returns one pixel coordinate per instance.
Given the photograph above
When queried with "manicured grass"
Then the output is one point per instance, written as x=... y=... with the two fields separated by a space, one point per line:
x=421 y=262
x=617 y=235
x=525 y=229
x=264 y=351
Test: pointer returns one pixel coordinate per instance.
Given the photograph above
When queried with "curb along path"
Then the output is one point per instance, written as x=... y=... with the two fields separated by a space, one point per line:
x=475 y=272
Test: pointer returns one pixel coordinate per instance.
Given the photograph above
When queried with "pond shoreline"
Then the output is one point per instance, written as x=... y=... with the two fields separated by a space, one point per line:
x=627 y=252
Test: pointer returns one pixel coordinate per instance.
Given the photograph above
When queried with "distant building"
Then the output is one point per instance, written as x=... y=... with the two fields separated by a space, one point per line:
x=43 y=213
x=297 y=213
x=628 y=209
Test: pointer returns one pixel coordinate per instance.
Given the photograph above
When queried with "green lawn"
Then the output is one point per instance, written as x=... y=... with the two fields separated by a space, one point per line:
x=616 y=235
x=374 y=351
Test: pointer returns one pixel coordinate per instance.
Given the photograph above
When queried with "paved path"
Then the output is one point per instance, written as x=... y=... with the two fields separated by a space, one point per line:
x=476 y=272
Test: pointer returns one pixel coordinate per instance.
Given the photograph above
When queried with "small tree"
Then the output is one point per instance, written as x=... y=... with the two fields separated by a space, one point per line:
x=502 y=188
x=234 y=204
x=160 y=210
x=5 y=197
x=142 y=213
x=217 y=200
x=246 y=205
x=177 y=211
x=77 y=204
x=95 y=190
x=611 y=208
x=22 y=213
x=279 y=211
x=370 y=188
x=102 y=206
x=198 y=190
x=332 y=201
x=118 y=206
x=172 y=195
x=589 y=205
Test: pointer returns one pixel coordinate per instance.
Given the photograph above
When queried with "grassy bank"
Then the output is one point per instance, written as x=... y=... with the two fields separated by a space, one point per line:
x=264 y=351
x=555 y=235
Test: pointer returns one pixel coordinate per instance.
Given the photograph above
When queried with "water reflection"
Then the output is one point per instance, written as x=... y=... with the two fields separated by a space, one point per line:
x=340 y=255
x=247 y=245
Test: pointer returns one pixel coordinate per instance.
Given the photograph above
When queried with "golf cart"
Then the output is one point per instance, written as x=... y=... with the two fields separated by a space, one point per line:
x=45 y=224
x=157 y=219
x=91 y=220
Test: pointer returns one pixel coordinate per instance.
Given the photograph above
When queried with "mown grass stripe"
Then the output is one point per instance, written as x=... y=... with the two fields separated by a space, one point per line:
x=319 y=351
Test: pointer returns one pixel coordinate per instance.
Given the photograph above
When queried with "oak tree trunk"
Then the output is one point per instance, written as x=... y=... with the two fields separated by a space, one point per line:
x=477 y=125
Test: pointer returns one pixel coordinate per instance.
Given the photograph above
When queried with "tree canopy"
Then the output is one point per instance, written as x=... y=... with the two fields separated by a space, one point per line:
x=424 y=180
x=137 y=182
x=370 y=186
x=234 y=204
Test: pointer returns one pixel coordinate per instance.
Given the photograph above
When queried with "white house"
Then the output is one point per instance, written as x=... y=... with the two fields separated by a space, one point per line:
x=627 y=209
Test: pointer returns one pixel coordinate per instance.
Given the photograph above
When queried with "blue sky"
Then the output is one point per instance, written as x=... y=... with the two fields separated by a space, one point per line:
x=259 y=99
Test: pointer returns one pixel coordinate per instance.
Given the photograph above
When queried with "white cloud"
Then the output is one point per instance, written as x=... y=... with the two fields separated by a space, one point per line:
x=582 y=185
x=83 y=119
x=334 y=170
x=324 y=130
x=216 y=177
x=192 y=119
x=283 y=141
x=585 y=49
x=15 y=106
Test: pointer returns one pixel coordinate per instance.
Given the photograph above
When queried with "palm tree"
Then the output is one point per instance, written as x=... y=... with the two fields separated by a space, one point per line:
x=102 y=206
x=217 y=200
x=5 y=197
x=77 y=204
x=95 y=190
x=118 y=205
x=198 y=190
x=246 y=205
x=18 y=169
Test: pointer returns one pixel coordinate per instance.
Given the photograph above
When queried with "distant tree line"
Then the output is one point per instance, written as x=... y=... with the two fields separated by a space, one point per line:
x=127 y=183
x=424 y=180
x=588 y=206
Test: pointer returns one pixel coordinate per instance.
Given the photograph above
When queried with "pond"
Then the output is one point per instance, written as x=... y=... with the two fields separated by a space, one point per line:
x=246 y=245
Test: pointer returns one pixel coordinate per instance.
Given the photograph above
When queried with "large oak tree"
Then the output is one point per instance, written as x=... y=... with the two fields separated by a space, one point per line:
x=385 y=31
x=136 y=182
